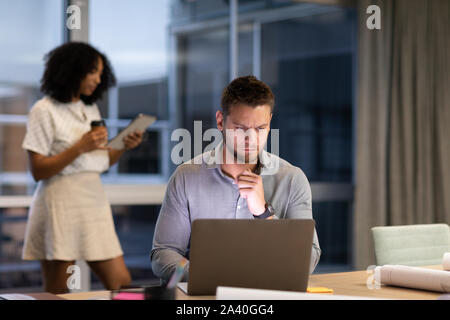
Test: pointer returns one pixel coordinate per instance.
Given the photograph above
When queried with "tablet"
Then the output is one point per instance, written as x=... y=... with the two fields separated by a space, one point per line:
x=140 y=123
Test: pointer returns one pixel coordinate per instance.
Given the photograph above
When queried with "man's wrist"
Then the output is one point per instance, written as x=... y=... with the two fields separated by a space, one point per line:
x=261 y=210
x=268 y=212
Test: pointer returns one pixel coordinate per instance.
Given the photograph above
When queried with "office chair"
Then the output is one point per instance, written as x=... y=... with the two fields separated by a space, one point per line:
x=411 y=245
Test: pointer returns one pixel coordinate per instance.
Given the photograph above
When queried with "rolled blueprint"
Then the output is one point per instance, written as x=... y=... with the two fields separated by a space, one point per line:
x=446 y=261
x=413 y=277
x=231 y=293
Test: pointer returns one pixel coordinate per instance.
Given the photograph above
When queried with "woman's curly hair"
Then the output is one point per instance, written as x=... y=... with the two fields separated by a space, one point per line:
x=67 y=65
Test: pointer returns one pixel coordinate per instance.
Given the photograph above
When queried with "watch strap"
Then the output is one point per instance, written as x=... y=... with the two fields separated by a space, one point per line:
x=268 y=213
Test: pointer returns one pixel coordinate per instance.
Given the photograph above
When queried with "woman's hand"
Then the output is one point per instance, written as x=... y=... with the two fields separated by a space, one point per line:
x=133 y=140
x=92 y=140
x=44 y=167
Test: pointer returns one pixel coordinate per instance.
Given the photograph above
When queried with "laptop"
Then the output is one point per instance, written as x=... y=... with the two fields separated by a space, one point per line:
x=260 y=254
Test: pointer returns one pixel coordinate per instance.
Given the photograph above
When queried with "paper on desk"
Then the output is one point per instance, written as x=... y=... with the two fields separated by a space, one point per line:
x=413 y=277
x=15 y=296
x=183 y=286
x=446 y=261
x=231 y=293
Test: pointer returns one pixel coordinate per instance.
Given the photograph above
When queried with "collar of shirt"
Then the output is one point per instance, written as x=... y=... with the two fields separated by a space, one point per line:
x=78 y=109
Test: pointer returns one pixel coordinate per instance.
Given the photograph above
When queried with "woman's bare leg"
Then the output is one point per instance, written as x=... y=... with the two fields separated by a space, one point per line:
x=55 y=275
x=113 y=273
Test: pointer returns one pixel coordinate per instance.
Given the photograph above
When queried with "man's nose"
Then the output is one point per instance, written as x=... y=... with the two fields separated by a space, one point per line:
x=251 y=133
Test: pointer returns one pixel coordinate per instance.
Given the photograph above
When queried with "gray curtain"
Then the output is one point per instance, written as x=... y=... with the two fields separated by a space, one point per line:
x=403 y=119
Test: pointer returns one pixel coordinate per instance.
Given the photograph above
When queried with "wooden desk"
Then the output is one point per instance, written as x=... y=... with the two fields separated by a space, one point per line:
x=344 y=283
x=354 y=284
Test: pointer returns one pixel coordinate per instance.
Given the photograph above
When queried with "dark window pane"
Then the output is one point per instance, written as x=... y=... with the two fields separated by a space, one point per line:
x=149 y=98
x=309 y=65
x=103 y=105
x=144 y=159
x=204 y=75
x=135 y=226
x=184 y=12
x=245 y=47
x=333 y=226
x=189 y=11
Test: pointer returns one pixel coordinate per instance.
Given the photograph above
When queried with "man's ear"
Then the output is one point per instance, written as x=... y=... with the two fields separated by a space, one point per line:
x=220 y=120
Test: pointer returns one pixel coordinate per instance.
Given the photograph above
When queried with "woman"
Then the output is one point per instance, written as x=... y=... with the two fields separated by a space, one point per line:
x=70 y=217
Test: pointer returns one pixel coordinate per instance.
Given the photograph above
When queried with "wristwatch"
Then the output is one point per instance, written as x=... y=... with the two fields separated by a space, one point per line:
x=268 y=213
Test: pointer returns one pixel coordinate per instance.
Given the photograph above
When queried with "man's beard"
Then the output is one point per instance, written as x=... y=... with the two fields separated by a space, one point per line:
x=240 y=157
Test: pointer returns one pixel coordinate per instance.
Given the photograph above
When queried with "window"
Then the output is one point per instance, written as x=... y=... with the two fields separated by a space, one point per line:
x=306 y=53
x=28 y=30
x=205 y=74
x=37 y=28
x=134 y=36
x=308 y=64
x=137 y=48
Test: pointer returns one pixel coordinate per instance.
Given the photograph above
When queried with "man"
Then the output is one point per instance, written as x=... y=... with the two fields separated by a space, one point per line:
x=234 y=181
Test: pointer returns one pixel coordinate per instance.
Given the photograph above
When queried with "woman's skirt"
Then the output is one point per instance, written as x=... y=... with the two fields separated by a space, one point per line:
x=70 y=218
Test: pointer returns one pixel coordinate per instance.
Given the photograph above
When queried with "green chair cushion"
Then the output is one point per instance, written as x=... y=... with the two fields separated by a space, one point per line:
x=411 y=245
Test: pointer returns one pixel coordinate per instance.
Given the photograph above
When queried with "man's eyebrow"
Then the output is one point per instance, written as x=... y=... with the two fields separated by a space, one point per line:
x=239 y=124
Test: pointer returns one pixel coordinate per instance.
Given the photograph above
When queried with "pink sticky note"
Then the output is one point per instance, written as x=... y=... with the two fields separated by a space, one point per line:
x=129 y=296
